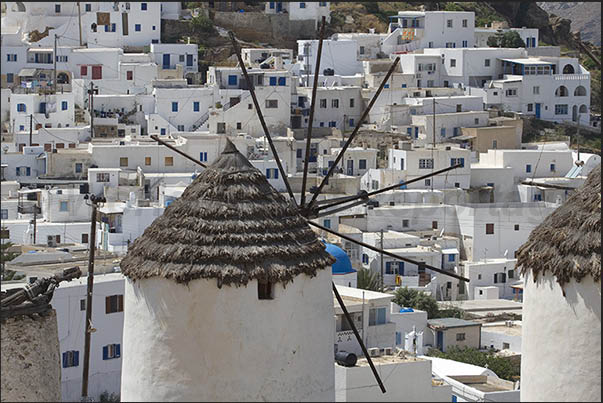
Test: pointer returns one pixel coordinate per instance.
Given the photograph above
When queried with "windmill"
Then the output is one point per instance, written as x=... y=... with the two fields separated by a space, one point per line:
x=314 y=208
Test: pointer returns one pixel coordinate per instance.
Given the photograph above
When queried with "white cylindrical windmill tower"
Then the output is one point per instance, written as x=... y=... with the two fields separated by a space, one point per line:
x=228 y=297
x=561 y=263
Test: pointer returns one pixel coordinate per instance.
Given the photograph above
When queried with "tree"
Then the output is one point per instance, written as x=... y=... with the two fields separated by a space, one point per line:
x=494 y=41
x=511 y=39
x=5 y=254
x=499 y=365
x=368 y=280
x=408 y=297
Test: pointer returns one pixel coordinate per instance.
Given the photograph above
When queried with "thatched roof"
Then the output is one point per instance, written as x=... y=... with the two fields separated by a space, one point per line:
x=229 y=224
x=568 y=242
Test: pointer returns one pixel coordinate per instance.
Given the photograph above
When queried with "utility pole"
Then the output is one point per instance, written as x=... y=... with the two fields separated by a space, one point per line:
x=91 y=93
x=79 y=18
x=54 y=73
x=381 y=261
x=35 y=223
x=95 y=201
x=434 y=142
x=30 y=127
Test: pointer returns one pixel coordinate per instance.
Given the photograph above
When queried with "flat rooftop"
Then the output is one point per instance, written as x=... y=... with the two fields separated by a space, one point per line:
x=486 y=307
x=449 y=323
x=388 y=359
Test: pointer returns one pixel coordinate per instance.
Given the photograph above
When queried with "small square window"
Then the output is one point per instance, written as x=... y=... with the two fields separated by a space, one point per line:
x=143 y=6
x=147 y=161
x=123 y=162
x=265 y=290
x=516 y=227
x=489 y=229
x=114 y=303
x=88 y=7
x=169 y=161
x=302 y=5
x=460 y=336
x=137 y=27
x=57 y=8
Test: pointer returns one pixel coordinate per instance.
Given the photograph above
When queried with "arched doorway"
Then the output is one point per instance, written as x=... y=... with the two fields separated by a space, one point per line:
x=574 y=113
x=568 y=69
x=580 y=91
x=583 y=109
x=62 y=78
x=561 y=91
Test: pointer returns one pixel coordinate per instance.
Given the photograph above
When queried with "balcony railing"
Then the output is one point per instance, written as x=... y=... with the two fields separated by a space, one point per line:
x=564 y=77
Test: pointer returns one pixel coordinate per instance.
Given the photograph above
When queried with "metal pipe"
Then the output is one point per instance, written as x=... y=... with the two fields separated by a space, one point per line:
x=374 y=248
x=260 y=116
x=362 y=346
x=171 y=147
x=311 y=117
x=349 y=141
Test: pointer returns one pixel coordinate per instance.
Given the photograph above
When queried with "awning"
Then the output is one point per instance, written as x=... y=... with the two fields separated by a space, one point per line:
x=451 y=251
x=528 y=61
x=463 y=137
x=27 y=72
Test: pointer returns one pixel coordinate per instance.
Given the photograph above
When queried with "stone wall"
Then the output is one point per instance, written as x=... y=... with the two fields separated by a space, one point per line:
x=31 y=366
x=276 y=29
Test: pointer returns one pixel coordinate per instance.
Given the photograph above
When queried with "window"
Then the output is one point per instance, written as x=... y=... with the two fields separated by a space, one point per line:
x=265 y=290
x=489 y=229
x=272 y=81
x=103 y=177
x=443 y=132
x=500 y=278
x=457 y=185
x=426 y=163
x=511 y=273
x=561 y=109
x=4 y=214
x=448 y=23
x=57 y=8
x=302 y=5
x=271 y=173
x=552 y=167
x=479 y=276
x=174 y=106
x=137 y=27
x=71 y=359
x=376 y=316
x=365 y=258
x=464 y=44
x=351 y=123
x=451 y=257
x=322 y=3
x=530 y=107
x=203 y=156
x=335 y=103
x=495 y=144
x=123 y=161
x=180 y=128
x=114 y=303
x=88 y=7
x=111 y=351
x=272 y=4
x=21 y=108
x=511 y=92
x=487 y=63
x=323 y=103
x=427 y=182
x=83 y=70
x=143 y=6
x=10 y=57
x=505 y=346
x=129 y=75
x=169 y=161
x=460 y=336
x=528 y=168
x=361 y=164
x=272 y=103
x=78 y=167
x=351 y=102
x=434 y=225
x=239 y=126
x=64 y=105
x=326 y=223
x=450 y=45
x=361 y=50
x=282 y=81
x=464 y=23
x=83 y=301
x=455 y=161
x=10 y=77
x=162 y=131
x=536 y=90
x=405 y=223
x=195 y=106
x=452 y=62
x=332 y=123
x=430 y=45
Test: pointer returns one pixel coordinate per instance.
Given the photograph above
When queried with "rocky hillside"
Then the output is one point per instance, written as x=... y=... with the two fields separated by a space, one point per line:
x=585 y=17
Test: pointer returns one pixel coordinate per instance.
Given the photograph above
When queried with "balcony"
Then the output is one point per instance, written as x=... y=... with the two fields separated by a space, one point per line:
x=564 y=77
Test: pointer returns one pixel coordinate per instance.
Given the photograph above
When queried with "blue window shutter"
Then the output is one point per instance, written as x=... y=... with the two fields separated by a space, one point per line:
x=232 y=80
x=268 y=173
x=117 y=350
x=351 y=122
x=28 y=170
x=195 y=106
x=174 y=106
x=163 y=131
x=105 y=352
x=272 y=80
x=276 y=174
x=388 y=266
x=409 y=131
x=282 y=81
x=462 y=161
x=65 y=360
x=76 y=358
x=271 y=4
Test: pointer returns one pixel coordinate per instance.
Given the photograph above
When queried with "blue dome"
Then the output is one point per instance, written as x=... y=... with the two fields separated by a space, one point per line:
x=342 y=264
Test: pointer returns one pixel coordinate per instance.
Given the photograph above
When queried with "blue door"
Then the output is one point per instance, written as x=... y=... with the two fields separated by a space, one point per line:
x=42 y=107
x=189 y=60
x=533 y=42
x=279 y=6
x=537 y=111
x=440 y=341
x=166 y=61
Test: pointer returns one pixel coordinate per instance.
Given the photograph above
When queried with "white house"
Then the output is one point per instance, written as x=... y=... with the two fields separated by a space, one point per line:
x=528 y=35
x=499 y=272
x=309 y=10
x=356 y=161
x=337 y=55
